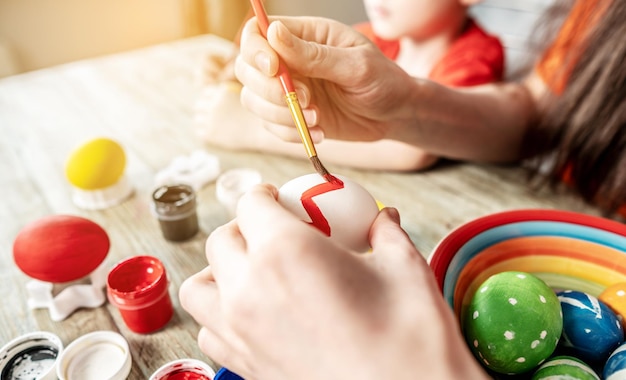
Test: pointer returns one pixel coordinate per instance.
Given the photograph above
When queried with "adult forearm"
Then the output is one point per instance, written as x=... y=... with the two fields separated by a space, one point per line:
x=484 y=123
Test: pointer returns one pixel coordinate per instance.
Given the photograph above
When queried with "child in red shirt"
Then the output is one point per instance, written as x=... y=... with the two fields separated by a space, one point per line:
x=426 y=38
x=473 y=57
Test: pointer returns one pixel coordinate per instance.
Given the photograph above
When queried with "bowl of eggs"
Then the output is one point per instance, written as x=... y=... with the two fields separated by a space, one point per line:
x=538 y=293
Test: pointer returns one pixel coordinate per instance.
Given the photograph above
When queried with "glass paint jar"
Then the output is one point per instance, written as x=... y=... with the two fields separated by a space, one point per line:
x=175 y=208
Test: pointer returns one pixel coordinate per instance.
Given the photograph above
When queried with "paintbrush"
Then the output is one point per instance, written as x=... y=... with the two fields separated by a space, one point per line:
x=292 y=99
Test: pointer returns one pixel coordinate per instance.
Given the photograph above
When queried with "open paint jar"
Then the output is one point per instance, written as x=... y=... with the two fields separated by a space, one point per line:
x=33 y=356
x=138 y=286
x=184 y=369
x=175 y=208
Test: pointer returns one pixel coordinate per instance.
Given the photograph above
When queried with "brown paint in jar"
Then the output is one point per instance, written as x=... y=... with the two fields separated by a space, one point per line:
x=175 y=207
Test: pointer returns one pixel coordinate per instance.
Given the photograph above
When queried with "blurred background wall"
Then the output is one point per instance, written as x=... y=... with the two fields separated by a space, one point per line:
x=513 y=21
x=41 y=33
x=347 y=11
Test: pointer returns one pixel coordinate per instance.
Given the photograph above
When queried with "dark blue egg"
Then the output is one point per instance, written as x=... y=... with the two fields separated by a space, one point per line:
x=590 y=328
x=615 y=367
x=225 y=374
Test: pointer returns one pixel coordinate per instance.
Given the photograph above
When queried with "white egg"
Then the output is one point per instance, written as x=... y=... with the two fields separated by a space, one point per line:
x=343 y=210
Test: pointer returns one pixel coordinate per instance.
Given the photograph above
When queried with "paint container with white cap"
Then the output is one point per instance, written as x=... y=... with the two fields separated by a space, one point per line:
x=99 y=355
x=232 y=184
x=184 y=369
x=33 y=356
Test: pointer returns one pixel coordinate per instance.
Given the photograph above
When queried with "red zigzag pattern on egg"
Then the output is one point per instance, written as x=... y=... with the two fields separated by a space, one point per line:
x=317 y=218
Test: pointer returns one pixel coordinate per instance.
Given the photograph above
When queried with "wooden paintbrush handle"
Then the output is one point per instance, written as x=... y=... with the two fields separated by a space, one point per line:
x=262 y=20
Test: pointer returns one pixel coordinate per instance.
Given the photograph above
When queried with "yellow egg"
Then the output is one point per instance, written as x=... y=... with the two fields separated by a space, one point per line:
x=97 y=164
x=615 y=298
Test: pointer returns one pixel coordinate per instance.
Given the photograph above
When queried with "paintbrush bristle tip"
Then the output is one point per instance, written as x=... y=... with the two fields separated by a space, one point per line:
x=319 y=167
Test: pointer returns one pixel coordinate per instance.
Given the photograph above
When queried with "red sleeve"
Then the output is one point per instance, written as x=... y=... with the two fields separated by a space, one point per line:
x=475 y=58
x=389 y=48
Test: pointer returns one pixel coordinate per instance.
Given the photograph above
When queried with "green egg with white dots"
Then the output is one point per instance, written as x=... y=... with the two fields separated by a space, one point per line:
x=513 y=323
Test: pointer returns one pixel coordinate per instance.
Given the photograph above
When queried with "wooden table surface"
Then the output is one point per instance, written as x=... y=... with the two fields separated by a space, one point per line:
x=144 y=99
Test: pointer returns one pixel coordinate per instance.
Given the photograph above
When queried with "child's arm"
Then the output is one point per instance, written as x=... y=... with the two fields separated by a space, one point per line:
x=222 y=121
x=386 y=155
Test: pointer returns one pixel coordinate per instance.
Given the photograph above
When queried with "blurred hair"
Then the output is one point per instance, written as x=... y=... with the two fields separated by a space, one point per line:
x=582 y=132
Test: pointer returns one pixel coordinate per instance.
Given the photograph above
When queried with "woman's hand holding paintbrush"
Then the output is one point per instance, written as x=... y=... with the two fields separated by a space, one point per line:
x=291 y=97
x=348 y=98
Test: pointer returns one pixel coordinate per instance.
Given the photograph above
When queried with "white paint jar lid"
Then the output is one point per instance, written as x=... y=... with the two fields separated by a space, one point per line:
x=232 y=184
x=100 y=355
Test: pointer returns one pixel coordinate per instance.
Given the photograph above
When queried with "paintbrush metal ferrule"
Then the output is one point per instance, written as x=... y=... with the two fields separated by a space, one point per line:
x=298 y=119
x=290 y=96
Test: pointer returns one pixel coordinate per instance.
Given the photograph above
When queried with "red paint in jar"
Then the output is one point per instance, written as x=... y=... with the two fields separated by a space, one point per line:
x=185 y=375
x=138 y=287
x=184 y=369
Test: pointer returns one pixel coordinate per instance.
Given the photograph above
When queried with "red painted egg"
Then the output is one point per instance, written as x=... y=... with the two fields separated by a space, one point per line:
x=60 y=248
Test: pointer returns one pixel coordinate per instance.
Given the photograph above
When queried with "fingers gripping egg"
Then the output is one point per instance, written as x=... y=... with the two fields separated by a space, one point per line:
x=341 y=208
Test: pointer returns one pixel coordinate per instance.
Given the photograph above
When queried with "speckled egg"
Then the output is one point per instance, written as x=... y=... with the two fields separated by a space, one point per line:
x=615 y=367
x=60 y=248
x=97 y=164
x=590 y=328
x=565 y=367
x=341 y=209
x=615 y=298
x=513 y=322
